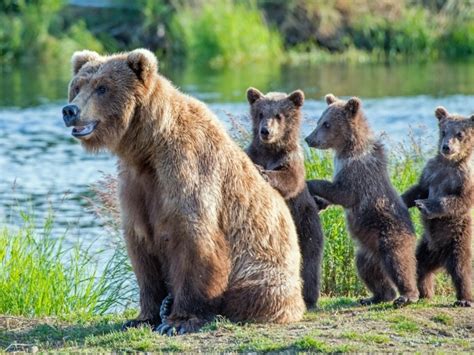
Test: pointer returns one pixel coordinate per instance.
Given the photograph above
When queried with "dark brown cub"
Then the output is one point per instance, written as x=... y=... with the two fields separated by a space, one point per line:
x=275 y=148
x=445 y=195
x=376 y=216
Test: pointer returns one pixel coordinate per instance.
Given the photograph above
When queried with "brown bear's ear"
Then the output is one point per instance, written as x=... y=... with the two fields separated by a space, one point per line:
x=253 y=95
x=441 y=113
x=143 y=63
x=330 y=99
x=353 y=105
x=297 y=97
x=80 y=58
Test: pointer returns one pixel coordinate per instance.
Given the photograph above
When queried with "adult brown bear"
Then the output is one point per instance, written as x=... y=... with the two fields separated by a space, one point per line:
x=199 y=220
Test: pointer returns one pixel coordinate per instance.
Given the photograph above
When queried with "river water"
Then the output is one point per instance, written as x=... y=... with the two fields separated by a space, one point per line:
x=44 y=168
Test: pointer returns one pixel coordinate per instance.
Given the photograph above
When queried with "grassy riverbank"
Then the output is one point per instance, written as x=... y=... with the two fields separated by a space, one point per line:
x=225 y=33
x=339 y=326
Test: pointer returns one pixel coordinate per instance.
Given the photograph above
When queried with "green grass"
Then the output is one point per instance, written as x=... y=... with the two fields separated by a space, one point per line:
x=330 y=329
x=40 y=276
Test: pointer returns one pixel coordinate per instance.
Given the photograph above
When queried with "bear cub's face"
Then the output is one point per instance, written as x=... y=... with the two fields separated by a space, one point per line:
x=334 y=126
x=103 y=94
x=274 y=114
x=456 y=135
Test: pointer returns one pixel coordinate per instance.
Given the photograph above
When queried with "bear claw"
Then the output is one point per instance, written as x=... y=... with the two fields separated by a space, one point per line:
x=165 y=309
x=402 y=301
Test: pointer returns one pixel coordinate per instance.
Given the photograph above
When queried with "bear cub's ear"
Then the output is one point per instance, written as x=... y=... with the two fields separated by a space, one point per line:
x=441 y=113
x=297 y=97
x=330 y=99
x=80 y=58
x=253 y=95
x=353 y=105
x=143 y=63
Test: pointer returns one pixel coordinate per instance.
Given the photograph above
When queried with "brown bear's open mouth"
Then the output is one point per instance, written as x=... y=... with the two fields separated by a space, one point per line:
x=82 y=131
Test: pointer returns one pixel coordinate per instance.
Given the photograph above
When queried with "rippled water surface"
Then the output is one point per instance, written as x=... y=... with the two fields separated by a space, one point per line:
x=40 y=163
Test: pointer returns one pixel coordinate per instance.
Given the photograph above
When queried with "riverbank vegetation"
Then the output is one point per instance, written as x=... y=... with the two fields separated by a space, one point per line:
x=223 y=33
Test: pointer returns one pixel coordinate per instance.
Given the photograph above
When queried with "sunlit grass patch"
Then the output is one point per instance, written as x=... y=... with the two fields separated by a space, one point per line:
x=443 y=318
x=41 y=276
x=367 y=337
x=403 y=324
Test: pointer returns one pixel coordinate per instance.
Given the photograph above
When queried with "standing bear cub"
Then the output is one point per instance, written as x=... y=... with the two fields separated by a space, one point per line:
x=376 y=216
x=199 y=220
x=445 y=195
x=275 y=148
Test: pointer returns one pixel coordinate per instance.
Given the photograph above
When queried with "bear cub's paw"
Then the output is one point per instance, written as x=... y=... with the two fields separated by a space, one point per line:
x=321 y=202
x=403 y=301
x=427 y=208
x=463 y=303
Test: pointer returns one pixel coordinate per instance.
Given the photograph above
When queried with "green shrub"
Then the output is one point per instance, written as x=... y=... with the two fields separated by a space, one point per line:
x=458 y=40
x=413 y=33
x=222 y=33
x=33 y=30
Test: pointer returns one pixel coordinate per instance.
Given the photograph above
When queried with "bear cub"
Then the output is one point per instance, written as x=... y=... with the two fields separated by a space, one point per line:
x=275 y=149
x=445 y=195
x=376 y=216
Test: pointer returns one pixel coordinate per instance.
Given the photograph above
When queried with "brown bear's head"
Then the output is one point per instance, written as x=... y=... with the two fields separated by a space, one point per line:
x=339 y=124
x=276 y=116
x=456 y=135
x=104 y=92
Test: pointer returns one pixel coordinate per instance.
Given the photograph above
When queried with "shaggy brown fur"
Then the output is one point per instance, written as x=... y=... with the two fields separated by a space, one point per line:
x=199 y=220
x=445 y=195
x=275 y=148
x=376 y=216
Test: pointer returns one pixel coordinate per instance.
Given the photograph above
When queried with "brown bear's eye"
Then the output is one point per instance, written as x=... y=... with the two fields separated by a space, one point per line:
x=326 y=125
x=260 y=115
x=460 y=135
x=101 y=90
x=278 y=116
x=76 y=90
x=443 y=133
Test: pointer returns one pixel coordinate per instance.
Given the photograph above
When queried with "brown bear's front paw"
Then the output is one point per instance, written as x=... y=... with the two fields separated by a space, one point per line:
x=137 y=323
x=171 y=328
x=403 y=301
x=462 y=303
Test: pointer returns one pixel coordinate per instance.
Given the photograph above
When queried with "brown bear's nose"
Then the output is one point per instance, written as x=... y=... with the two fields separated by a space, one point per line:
x=264 y=132
x=70 y=114
x=446 y=149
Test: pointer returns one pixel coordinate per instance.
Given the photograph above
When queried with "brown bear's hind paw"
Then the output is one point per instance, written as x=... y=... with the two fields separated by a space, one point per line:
x=137 y=323
x=171 y=328
x=462 y=303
